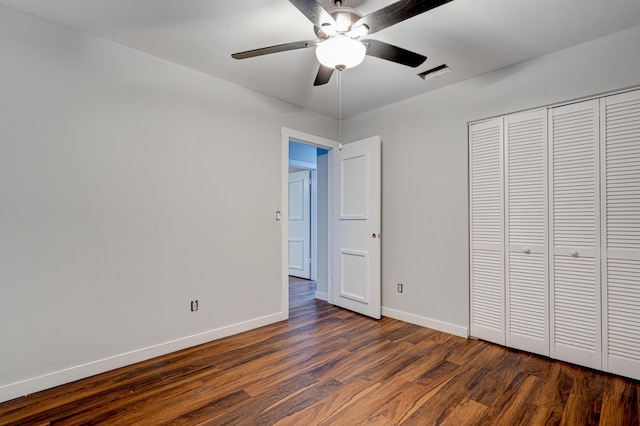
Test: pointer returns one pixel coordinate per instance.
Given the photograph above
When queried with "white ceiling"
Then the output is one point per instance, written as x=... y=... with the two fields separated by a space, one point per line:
x=472 y=36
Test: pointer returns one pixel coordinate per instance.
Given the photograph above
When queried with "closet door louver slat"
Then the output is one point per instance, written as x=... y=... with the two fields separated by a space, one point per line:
x=575 y=293
x=620 y=151
x=486 y=225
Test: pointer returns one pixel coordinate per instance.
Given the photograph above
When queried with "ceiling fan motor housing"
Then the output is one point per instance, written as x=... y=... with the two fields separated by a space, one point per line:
x=345 y=17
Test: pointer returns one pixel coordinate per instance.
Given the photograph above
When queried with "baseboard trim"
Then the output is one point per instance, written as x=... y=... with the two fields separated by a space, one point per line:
x=426 y=322
x=56 y=378
x=322 y=295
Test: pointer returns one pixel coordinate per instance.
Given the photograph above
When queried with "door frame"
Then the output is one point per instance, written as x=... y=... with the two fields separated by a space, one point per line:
x=320 y=142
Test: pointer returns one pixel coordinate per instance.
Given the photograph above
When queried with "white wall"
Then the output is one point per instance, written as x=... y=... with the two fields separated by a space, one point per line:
x=424 y=179
x=120 y=201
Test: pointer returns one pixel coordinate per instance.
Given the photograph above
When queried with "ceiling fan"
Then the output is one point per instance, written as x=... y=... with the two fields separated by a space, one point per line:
x=340 y=32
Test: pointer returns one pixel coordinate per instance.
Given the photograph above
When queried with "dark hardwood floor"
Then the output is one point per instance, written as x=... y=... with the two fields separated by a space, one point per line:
x=330 y=366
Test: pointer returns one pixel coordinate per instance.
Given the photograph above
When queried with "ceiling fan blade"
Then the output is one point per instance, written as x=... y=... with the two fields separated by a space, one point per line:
x=323 y=76
x=397 y=12
x=392 y=53
x=314 y=11
x=273 y=49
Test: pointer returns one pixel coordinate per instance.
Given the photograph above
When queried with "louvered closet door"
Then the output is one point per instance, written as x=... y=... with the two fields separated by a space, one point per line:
x=575 y=234
x=527 y=313
x=487 y=231
x=621 y=225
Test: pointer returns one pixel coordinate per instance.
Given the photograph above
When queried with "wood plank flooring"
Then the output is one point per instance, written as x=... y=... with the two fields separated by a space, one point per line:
x=328 y=366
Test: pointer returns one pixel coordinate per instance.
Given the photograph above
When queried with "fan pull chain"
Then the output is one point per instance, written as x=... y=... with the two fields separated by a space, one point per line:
x=340 y=109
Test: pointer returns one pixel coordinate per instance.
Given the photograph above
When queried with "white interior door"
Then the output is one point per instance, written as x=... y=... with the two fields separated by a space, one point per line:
x=299 y=225
x=487 y=230
x=575 y=234
x=527 y=296
x=620 y=178
x=356 y=226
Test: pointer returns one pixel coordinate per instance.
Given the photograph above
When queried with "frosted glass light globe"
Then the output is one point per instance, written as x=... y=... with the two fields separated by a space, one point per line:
x=340 y=52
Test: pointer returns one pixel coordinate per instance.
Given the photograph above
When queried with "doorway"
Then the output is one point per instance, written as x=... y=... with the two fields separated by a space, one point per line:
x=353 y=223
x=302 y=211
x=294 y=142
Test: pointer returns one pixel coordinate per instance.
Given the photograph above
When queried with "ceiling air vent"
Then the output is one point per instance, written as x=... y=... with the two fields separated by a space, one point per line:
x=434 y=72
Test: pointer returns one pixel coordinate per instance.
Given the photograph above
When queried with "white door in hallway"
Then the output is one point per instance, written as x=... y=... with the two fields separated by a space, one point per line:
x=356 y=215
x=299 y=225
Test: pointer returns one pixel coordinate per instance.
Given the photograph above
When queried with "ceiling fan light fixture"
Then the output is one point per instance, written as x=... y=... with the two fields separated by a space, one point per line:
x=341 y=52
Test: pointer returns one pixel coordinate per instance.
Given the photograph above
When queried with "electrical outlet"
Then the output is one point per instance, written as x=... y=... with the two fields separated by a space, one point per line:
x=194 y=305
x=400 y=287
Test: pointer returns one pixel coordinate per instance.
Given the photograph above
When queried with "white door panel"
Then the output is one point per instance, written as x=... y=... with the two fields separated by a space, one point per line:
x=487 y=231
x=575 y=234
x=299 y=225
x=296 y=256
x=355 y=266
x=620 y=178
x=356 y=227
x=527 y=296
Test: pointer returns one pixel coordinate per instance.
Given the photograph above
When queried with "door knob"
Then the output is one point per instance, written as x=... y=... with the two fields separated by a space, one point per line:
x=574 y=253
x=526 y=250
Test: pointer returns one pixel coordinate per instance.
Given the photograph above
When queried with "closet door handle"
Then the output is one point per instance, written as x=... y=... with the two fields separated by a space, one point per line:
x=526 y=250
x=574 y=253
